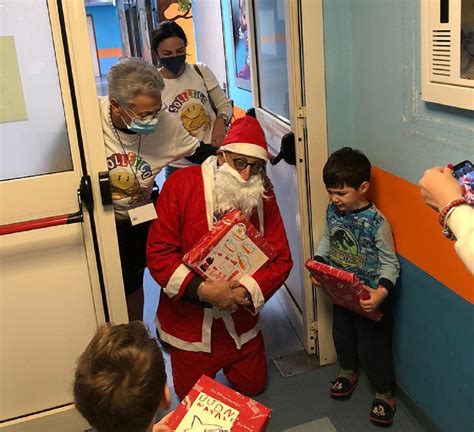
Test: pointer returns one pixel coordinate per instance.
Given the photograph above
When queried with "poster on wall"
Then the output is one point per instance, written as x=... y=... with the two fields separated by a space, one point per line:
x=241 y=55
x=12 y=101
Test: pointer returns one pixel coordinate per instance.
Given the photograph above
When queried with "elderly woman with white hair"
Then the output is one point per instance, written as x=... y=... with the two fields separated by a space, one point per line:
x=141 y=137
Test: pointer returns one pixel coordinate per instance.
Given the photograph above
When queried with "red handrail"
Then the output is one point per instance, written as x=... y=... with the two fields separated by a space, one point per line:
x=41 y=223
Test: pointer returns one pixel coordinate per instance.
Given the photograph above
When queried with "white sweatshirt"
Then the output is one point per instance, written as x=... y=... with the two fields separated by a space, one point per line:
x=135 y=160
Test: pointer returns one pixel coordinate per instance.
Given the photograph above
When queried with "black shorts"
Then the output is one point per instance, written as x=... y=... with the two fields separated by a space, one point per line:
x=132 y=246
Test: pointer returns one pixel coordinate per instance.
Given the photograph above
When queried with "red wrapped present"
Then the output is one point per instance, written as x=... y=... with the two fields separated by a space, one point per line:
x=211 y=406
x=342 y=287
x=232 y=249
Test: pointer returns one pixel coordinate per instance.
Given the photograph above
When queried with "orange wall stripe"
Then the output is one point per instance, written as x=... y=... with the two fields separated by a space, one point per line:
x=238 y=112
x=188 y=26
x=417 y=232
x=109 y=52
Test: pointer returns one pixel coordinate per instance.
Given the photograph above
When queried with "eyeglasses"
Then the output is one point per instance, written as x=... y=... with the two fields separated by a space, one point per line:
x=255 y=168
x=147 y=116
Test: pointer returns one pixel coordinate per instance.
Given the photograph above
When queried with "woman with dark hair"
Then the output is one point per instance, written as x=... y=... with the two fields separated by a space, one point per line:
x=192 y=92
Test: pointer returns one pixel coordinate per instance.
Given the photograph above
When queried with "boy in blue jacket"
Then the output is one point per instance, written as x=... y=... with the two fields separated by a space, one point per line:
x=357 y=238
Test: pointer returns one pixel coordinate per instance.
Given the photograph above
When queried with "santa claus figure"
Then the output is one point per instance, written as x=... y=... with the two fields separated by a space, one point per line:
x=214 y=325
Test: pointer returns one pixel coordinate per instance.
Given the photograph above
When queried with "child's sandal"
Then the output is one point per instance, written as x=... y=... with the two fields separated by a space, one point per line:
x=343 y=387
x=383 y=412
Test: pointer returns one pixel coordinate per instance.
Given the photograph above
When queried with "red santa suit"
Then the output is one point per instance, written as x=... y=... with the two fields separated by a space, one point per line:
x=205 y=339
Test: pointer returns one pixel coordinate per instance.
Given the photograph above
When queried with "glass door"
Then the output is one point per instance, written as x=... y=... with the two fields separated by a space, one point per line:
x=272 y=69
x=57 y=283
x=281 y=94
x=36 y=128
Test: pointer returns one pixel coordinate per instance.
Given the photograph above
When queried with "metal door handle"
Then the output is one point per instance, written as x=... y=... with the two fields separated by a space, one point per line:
x=41 y=223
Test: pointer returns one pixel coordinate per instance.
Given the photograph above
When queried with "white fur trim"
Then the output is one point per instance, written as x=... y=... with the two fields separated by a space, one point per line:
x=254 y=289
x=203 y=346
x=244 y=337
x=260 y=217
x=207 y=169
x=246 y=149
x=176 y=279
x=230 y=327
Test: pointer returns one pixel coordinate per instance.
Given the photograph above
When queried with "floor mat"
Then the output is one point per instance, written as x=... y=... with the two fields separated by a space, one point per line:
x=295 y=363
x=321 y=425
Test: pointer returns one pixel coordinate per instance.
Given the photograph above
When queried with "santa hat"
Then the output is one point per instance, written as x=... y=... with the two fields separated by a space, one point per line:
x=246 y=137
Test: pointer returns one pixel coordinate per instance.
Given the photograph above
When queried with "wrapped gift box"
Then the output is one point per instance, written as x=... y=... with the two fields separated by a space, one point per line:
x=342 y=287
x=232 y=249
x=211 y=406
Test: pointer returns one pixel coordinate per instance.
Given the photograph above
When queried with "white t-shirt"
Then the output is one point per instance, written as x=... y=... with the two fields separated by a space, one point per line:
x=134 y=160
x=188 y=101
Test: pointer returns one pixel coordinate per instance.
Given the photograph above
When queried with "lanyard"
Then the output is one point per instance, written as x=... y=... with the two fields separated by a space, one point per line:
x=134 y=171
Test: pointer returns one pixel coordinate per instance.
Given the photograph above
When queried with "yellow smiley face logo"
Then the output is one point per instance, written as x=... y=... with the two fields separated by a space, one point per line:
x=194 y=117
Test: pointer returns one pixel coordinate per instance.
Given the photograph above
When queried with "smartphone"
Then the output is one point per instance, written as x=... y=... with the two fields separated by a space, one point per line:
x=463 y=172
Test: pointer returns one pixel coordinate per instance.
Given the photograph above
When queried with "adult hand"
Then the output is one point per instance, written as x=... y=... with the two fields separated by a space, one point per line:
x=161 y=426
x=218 y=131
x=439 y=187
x=377 y=296
x=222 y=294
x=315 y=281
x=242 y=293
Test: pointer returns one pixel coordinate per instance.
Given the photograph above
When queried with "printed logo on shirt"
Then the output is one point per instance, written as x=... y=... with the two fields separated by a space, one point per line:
x=195 y=117
x=141 y=168
x=123 y=184
x=345 y=250
x=193 y=114
x=184 y=97
x=125 y=179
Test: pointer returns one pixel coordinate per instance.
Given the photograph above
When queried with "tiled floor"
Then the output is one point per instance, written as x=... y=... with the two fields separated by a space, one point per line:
x=302 y=398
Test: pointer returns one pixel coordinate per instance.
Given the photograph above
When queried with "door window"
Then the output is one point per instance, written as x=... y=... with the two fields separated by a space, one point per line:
x=270 y=42
x=33 y=134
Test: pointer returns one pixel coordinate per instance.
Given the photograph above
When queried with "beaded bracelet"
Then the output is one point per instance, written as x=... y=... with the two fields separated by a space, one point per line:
x=446 y=213
x=446 y=230
x=443 y=213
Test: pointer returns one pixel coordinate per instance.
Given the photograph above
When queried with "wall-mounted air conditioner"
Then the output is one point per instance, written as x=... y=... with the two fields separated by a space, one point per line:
x=447 y=51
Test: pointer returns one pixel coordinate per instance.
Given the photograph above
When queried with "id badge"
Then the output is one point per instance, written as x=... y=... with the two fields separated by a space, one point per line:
x=142 y=214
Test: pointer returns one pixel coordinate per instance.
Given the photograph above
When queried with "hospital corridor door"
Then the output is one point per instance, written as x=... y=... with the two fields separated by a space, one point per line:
x=60 y=268
x=287 y=70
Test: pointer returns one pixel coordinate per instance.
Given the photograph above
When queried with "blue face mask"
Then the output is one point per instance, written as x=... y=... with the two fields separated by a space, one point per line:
x=144 y=127
x=173 y=64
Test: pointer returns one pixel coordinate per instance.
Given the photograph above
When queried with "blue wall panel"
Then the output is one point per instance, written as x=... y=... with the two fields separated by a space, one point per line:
x=434 y=349
x=338 y=71
x=107 y=29
x=242 y=98
x=107 y=33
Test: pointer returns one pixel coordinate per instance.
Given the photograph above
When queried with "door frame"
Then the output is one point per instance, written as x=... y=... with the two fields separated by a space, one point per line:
x=93 y=43
x=304 y=22
x=89 y=118
x=316 y=151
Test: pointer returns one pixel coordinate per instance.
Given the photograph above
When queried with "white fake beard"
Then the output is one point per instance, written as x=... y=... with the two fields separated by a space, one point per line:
x=232 y=191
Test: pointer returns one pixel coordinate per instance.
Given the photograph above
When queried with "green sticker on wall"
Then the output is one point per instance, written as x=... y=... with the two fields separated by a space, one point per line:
x=12 y=101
